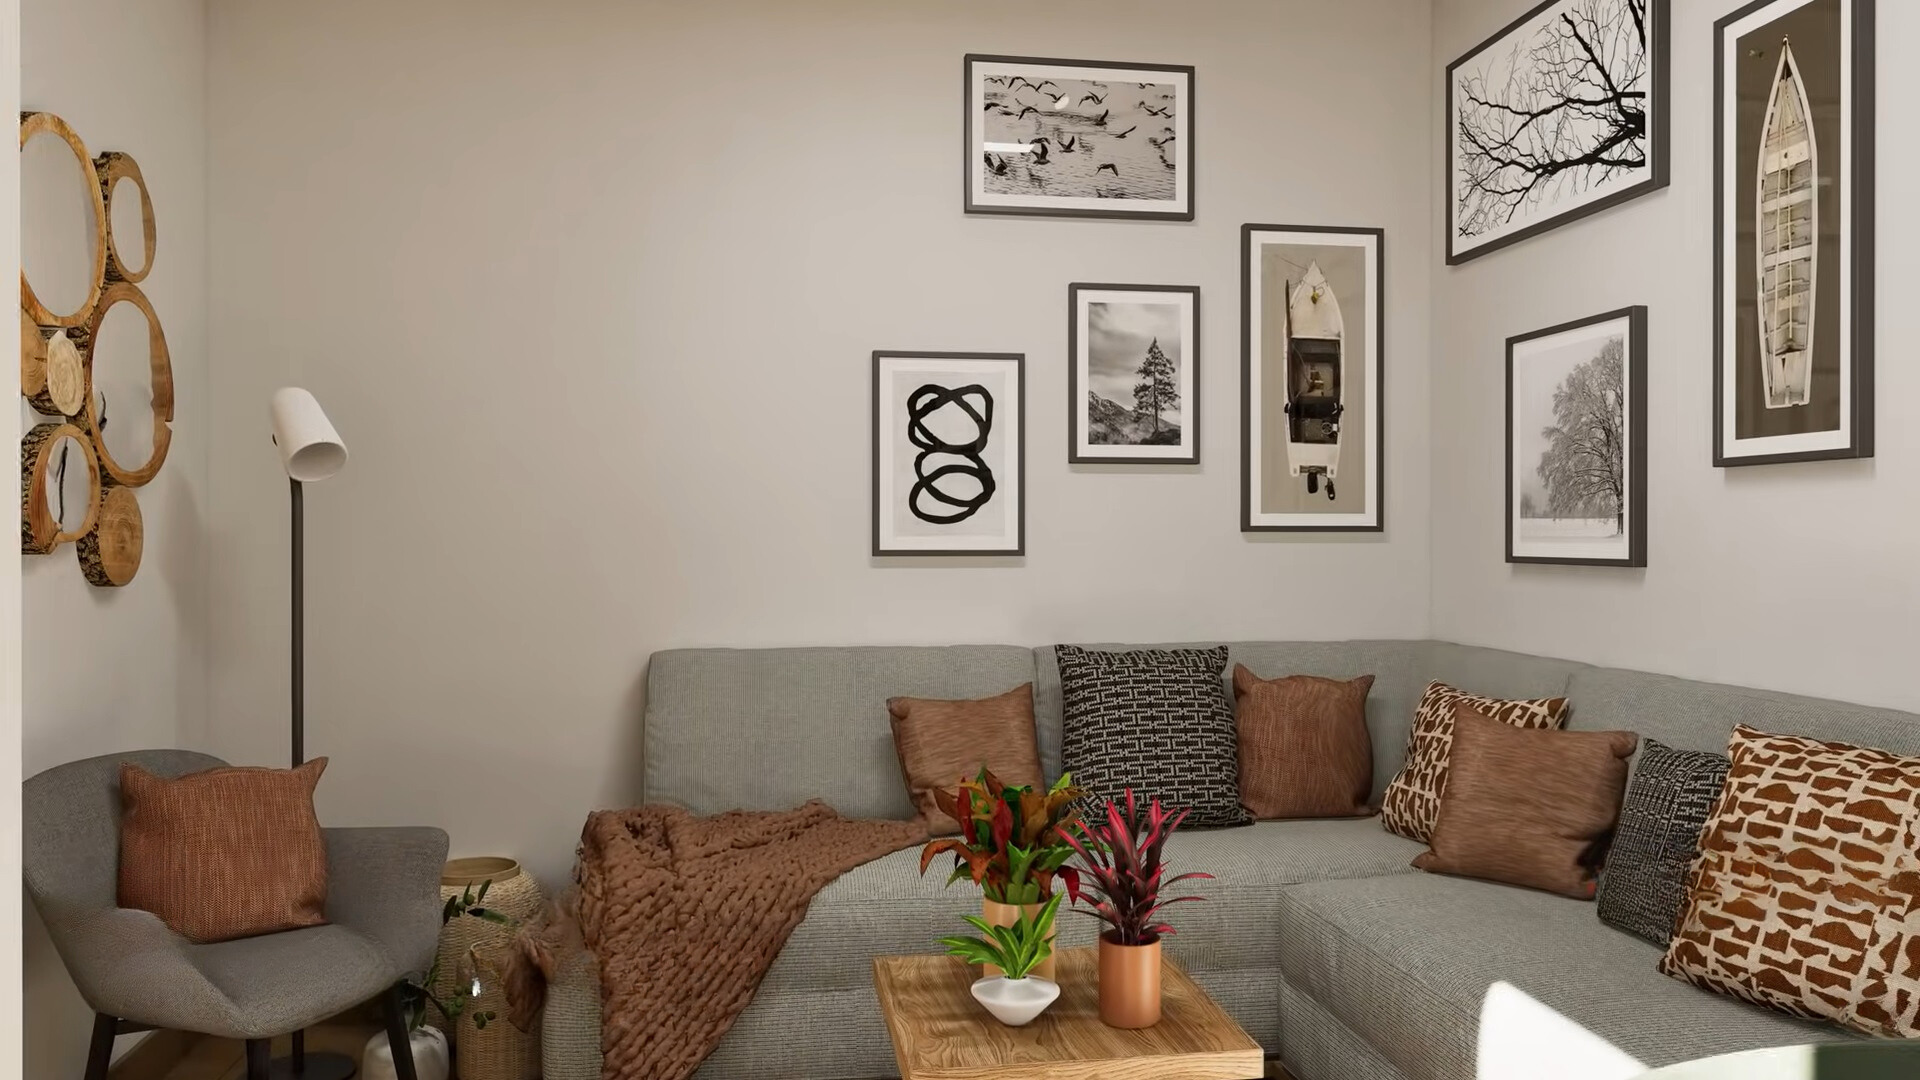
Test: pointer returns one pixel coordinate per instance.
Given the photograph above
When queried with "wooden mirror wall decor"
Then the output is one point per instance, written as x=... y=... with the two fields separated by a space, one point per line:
x=72 y=488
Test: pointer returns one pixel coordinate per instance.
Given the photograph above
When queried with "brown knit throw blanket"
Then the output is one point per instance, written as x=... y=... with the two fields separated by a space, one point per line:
x=686 y=914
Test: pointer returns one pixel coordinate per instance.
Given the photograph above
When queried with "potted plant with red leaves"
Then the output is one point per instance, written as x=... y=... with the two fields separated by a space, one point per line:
x=1012 y=843
x=1121 y=880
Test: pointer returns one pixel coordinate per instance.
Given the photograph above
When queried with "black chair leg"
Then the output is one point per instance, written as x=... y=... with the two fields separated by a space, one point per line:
x=259 y=1054
x=100 y=1049
x=397 y=1037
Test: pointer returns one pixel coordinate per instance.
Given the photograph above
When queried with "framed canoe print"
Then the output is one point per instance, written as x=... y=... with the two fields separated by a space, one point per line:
x=1311 y=327
x=1078 y=138
x=1133 y=374
x=1793 y=232
x=949 y=453
x=1561 y=114
x=1577 y=442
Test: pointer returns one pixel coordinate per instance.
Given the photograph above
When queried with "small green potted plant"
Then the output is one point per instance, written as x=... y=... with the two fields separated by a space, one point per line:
x=1016 y=995
x=432 y=1060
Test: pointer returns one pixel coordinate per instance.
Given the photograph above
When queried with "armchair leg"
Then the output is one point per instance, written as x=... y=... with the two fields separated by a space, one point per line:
x=397 y=1036
x=100 y=1049
x=259 y=1054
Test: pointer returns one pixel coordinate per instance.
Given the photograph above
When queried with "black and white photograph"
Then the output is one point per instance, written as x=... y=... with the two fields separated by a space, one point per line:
x=949 y=453
x=1311 y=345
x=1133 y=376
x=1561 y=114
x=1078 y=138
x=1577 y=442
x=1793 y=232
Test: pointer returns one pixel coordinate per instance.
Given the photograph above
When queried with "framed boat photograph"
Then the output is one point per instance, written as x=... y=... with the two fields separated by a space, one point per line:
x=1561 y=114
x=1078 y=138
x=1793 y=232
x=1133 y=374
x=1312 y=325
x=949 y=453
x=1577 y=442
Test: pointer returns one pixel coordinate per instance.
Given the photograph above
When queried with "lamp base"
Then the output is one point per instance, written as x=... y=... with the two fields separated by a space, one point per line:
x=318 y=1066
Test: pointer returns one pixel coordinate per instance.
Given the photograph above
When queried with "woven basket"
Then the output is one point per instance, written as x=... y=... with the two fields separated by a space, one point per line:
x=499 y=1051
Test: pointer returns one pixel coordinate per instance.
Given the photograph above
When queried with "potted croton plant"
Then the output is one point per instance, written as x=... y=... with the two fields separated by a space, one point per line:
x=1121 y=879
x=1012 y=843
x=1017 y=994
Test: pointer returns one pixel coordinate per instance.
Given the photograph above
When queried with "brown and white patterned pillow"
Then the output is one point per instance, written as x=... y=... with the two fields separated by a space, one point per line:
x=1805 y=896
x=1412 y=802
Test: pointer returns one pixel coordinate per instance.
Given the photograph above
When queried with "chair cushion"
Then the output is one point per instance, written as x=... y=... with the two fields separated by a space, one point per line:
x=225 y=853
x=280 y=982
x=886 y=907
x=1405 y=960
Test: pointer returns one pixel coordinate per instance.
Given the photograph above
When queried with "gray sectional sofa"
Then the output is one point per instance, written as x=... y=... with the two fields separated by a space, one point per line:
x=1320 y=939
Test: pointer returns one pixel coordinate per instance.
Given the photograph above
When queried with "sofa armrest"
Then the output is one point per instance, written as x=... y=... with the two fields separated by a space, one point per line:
x=570 y=1023
x=384 y=883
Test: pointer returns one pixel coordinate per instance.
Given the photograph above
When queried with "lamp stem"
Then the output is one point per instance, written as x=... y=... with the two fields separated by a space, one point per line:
x=299 y=627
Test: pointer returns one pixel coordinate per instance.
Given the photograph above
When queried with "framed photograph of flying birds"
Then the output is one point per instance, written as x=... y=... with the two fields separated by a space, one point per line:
x=1078 y=138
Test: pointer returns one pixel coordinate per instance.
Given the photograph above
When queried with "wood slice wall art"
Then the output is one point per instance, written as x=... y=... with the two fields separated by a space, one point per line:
x=56 y=378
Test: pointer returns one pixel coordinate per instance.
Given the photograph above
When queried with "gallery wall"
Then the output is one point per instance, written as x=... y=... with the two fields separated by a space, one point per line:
x=590 y=289
x=123 y=669
x=1797 y=577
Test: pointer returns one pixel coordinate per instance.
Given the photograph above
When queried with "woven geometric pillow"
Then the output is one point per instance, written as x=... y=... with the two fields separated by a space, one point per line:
x=1644 y=884
x=1806 y=894
x=1156 y=721
x=1412 y=802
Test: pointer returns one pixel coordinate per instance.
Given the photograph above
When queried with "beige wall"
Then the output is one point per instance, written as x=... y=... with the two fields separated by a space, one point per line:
x=1792 y=577
x=114 y=669
x=590 y=288
x=12 y=1035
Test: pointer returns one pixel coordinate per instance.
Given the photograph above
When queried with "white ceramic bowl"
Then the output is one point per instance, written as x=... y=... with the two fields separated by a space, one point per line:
x=1015 y=1002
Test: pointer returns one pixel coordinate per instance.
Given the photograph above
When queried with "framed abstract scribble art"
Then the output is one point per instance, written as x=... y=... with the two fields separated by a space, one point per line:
x=949 y=453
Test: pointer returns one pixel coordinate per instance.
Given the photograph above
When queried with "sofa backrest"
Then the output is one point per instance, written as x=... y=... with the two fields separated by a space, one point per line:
x=1699 y=715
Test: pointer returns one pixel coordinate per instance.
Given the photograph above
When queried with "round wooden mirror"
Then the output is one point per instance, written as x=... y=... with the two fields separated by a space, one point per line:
x=59 y=486
x=131 y=403
x=63 y=231
x=130 y=232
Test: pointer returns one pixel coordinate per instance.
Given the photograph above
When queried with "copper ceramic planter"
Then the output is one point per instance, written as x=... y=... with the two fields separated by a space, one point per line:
x=998 y=914
x=1129 y=983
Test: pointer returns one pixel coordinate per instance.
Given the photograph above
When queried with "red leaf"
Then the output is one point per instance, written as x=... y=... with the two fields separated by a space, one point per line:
x=1071 y=879
x=1002 y=825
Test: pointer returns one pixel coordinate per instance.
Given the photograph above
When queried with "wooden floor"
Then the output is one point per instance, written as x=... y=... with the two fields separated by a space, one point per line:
x=225 y=1059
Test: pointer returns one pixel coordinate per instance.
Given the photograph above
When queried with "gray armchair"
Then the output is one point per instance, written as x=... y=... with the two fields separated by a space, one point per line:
x=383 y=912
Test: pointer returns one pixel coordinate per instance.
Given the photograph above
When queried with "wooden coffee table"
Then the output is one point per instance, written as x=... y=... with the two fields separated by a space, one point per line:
x=941 y=1033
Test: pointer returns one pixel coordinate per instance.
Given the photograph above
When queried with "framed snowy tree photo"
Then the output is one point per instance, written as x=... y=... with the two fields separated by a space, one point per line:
x=1577 y=442
x=1561 y=114
x=1133 y=374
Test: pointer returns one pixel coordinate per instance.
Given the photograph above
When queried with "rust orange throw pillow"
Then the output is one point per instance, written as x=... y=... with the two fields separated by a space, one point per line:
x=939 y=742
x=226 y=853
x=1304 y=747
x=1805 y=896
x=1529 y=807
x=1412 y=801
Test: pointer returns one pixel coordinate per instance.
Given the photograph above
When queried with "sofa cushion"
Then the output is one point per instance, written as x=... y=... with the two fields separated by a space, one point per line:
x=941 y=743
x=886 y=907
x=1404 y=961
x=1411 y=805
x=1644 y=884
x=1304 y=747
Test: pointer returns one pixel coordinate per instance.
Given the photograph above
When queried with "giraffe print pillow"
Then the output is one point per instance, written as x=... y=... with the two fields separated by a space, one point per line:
x=1806 y=894
x=1412 y=802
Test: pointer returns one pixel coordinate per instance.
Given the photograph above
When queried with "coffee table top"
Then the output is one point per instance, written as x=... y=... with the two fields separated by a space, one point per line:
x=941 y=1033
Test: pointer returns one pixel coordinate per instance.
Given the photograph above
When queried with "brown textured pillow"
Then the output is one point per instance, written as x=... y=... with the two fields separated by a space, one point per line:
x=1304 y=747
x=1529 y=807
x=941 y=741
x=226 y=853
x=1804 y=895
x=1412 y=801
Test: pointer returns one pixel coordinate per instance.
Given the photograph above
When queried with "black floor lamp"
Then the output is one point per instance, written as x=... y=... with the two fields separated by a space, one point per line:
x=310 y=450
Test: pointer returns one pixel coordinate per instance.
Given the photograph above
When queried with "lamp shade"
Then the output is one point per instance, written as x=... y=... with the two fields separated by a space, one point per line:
x=309 y=447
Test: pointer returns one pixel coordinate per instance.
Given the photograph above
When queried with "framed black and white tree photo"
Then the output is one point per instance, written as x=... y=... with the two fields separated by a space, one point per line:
x=1312 y=325
x=949 y=453
x=1561 y=114
x=1793 y=232
x=1078 y=138
x=1133 y=374
x=1577 y=442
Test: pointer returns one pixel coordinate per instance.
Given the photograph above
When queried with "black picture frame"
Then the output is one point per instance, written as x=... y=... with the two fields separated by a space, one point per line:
x=1660 y=173
x=1190 y=357
x=1378 y=473
x=970 y=160
x=879 y=548
x=1857 y=405
x=1636 y=439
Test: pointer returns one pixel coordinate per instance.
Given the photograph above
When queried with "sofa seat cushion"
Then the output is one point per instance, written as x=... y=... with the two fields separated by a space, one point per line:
x=886 y=907
x=1405 y=960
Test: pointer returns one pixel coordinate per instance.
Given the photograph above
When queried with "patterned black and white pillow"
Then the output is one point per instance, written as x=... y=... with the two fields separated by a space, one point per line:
x=1154 y=720
x=1668 y=802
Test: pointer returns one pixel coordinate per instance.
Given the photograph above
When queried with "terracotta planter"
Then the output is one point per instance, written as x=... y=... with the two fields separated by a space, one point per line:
x=998 y=914
x=1129 y=983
